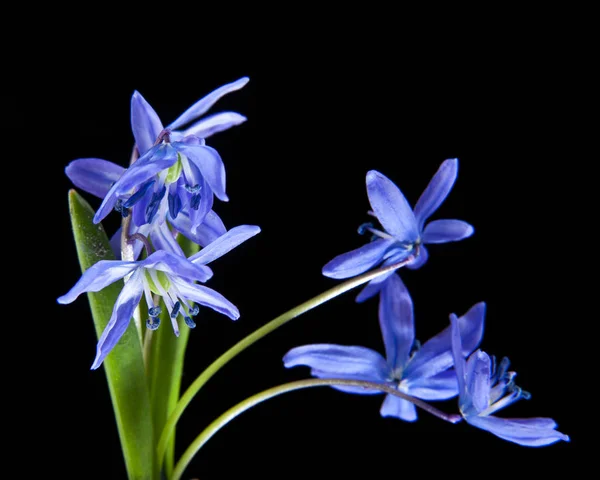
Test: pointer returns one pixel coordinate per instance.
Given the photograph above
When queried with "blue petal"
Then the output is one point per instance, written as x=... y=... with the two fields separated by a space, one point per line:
x=145 y=123
x=391 y=208
x=224 y=244
x=531 y=432
x=438 y=387
x=204 y=104
x=458 y=357
x=421 y=258
x=340 y=361
x=97 y=277
x=396 y=321
x=126 y=302
x=374 y=286
x=207 y=297
x=211 y=228
x=435 y=355
x=163 y=239
x=176 y=266
x=477 y=380
x=198 y=215
x=214 y=124
x=443 y=231
x=436 y=192
x=358 y=261
x=209 y=162
x=399 y=408
x=94 y=175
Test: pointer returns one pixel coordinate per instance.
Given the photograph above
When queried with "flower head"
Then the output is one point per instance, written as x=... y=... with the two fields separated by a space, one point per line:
x=485 y=388
x=169 y=276
x=423 y=372
x=404 y=228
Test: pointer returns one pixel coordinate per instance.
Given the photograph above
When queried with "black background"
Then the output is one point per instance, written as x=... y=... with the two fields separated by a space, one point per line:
x=319 y=117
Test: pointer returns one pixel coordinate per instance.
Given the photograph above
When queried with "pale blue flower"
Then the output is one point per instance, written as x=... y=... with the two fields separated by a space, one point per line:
x=423 y=372
x=485 y=388
x=404 y=228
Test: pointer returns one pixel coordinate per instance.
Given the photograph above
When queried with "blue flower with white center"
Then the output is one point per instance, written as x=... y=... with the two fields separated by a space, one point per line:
x=423 y=372
x=175 y=166
x=405 y=228
x=169 y=276
x=485 y=388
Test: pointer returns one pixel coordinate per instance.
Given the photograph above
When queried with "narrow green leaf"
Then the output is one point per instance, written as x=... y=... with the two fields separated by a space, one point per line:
x=166 y=367
x=124 y=365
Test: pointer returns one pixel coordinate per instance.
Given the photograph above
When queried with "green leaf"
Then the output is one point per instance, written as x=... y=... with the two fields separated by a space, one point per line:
x=124 y=365
x=166 y=368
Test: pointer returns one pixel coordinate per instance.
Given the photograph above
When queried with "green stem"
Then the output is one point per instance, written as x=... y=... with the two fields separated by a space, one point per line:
x=274 y=324
x=250 y=402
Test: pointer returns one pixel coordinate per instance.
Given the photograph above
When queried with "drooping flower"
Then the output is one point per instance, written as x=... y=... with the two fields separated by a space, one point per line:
x=424 y=372
x=176 y=168
x=485 y=388
x=171 y=277
x=404 y=228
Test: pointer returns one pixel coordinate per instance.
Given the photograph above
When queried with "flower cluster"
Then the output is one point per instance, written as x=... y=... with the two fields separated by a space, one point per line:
x=436 y=370
x=168 y=189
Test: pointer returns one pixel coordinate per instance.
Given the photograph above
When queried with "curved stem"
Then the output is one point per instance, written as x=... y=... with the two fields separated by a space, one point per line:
x=263 y=331
x=244 y=405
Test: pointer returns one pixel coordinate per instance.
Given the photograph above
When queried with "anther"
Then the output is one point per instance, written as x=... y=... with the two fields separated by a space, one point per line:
x=154 y=311
x=175 y=310
x=189 y=322
x=137 y=196
x=415 y=347
x=195 y=201
x=364 y=228
x=174 y=205
x=195 y=189
x=194 y=310
x=152 y=323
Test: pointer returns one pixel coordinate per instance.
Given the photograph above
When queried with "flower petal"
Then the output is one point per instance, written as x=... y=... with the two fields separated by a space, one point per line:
x=214 y=124
x=436 y=192
x=396 y=321
x=207 y=297
x=224 y=244
x=436 y=354
x=391 y=208
x=145 y=123
x=163 y=239
x=399 y=408
x=357 y=261
x=97 y=277
x=211 y=228
x=421 y=258
x=374 y=286
x=94 y=175
x=458 y=357
x=438 y=387
x=531 y=432
x=335 y=361
x=204 y=104
x=477 y=380
x=209 y=162
x=176 y=266
x=443 y=231
x=121 y=315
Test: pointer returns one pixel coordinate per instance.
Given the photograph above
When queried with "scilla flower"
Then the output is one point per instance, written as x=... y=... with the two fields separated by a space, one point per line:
x=175 y=166
x=404 y=228
x=171 y=277
x=485 y=389
x=423 y=372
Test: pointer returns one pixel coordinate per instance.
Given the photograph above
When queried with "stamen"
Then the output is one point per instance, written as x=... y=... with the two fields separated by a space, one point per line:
x=174 y=205
x=416 y=346
x=175 y=310
x=195 y=201
x=194 y=310
x=137 y=196
x=189 y=322
x=503 y=367
x=362 y=229
x=153 y=323
x=154 y=311
x=119 y=207
x=152 y=207
x=195 y=189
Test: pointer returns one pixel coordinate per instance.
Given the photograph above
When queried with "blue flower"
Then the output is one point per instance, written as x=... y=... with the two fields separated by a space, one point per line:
x=164 y=274
x=424 y=373
x=405 y=229
x=485 y=389
x=176 y=169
